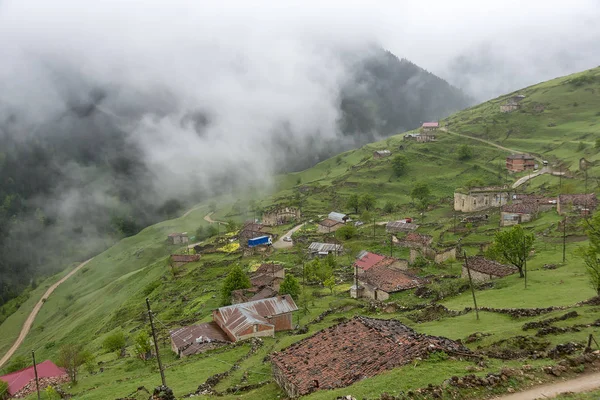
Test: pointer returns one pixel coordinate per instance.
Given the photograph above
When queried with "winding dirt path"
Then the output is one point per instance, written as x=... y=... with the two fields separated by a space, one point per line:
x=29 y=321
x=581 y=384
x=208 y=218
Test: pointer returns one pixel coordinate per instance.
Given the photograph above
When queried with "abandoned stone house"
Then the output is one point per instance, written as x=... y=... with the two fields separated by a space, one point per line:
x=265 y=283
x=280 y=215
x=513 y=214
x=484 y=269
x=520 y=162
x=178 y=260
x=381 y=280
x=381 y=153
x=480 y=198
x=196 y=339
x=256 y=318
x=583 y=204
x=512 y=104
x=414 y=239
x=430 y=126
x=436 y=255
x=419 y=137
x=350 y=351
x=400 y=226
x=178 y=238
x=324 y=249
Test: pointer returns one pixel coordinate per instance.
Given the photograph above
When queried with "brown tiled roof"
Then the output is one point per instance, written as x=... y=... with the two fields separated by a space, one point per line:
x=185 y=339
x=417 y=238
x=264 y=293
x=490 y=267
x=521 y=208
x=268 y=268
x=348 y=352
x=582 y=200
x=389 y=280
x=239 y=317
x=328 y=223
x=185 y=258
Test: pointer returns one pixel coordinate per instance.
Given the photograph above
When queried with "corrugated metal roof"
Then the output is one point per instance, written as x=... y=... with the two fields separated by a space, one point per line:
x=239 y=317
x=401 y=226
x=336 y=216
x=316 y=247
x=431 y=124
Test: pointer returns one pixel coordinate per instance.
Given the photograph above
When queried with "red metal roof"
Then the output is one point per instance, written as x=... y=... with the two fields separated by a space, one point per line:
x=431 y=124
x=368 y=260
x=18 y=380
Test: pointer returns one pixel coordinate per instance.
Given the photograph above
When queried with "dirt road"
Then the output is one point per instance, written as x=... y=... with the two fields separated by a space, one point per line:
x=208 y=218
x=34 y=312
x=280 y=244
x=584 y=383
x=524 y=179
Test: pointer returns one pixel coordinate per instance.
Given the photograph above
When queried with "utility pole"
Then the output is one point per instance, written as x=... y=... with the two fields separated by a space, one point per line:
x=564 y=238
x=391 y=245
x=373 y=227
x=160 y=368
x=37 y=384
x=525 y=260
x=471 y=284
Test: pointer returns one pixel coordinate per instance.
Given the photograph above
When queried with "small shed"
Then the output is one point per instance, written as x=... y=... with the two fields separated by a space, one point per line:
x=484 y=269
x=323 y=249
x=430 y=126
x=381 y=154
x=196 y=339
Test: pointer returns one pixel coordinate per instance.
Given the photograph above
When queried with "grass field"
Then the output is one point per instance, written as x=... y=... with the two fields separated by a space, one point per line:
x=108 y=295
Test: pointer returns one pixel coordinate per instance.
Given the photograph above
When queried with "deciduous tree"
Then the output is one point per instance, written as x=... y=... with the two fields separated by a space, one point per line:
x=512 y=246
x=354 y=203
x=399 y=165
x=367 y=201
x=70 y=357
x=237 y=279
x=291 y=286
x=115 y=342
x=591 y=253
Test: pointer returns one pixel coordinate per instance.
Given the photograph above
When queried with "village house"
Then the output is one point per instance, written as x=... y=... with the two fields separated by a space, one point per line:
x=520 y=162
x=517 y=213
x=419 y=137
x=430 y=126
x=351 y=351
x=196 y=339
x=328 y=226
x=178 y=260
x=381 y=154
x=256 y=318
x=480 y=198
x=484 y=269
x=400 y=226
x=251 y=230
x=583 y=204
x=280 y=215
x=265 y=283
x=512 y=104
x=414 y=239
x=367 y=260
x=324 y=249
x=381 y=280
x=22 y=383
x=178 y=238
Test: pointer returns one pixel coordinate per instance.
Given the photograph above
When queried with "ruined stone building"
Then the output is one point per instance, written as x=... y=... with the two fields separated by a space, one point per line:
x=280 y=215
x=480 y=198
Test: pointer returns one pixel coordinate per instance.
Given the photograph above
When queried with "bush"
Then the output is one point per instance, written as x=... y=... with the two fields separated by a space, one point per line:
x=290 y=286
x=143 y=345
x=347 y=232
x=597 y=145
x=581 y=146
x=237 y=279
x=465 y=152
x=16 y=364
x=3 y=390
x=114 y=342
x=389 y=207
x=399 y=165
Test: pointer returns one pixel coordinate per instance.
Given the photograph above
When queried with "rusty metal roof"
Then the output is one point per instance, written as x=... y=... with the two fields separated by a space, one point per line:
x=239 y=317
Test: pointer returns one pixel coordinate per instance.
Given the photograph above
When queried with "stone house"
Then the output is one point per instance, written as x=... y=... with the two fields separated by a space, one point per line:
x=328 y=226
x=430 y=126
x=381 y=154
x=256 y=318
x=509 y=107
x=513 y=214
x=583 y=204
x=414 y=239
x=480 y=198
x=178 y=260
x=351 y=351
x=379 y=281
x=280 y=215
x=178 y=238
x=520 y=162
x=265 y=283
x=196 y=339
x=437 y=256
x=484 y=269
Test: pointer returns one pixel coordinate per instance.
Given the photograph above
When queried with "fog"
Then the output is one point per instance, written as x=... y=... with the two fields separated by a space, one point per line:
x=204 y=89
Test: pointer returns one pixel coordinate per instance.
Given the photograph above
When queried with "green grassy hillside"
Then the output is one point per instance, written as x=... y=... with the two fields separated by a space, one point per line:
x=108 y=294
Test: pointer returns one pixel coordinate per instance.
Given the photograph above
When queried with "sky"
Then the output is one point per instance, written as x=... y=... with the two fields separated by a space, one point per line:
x=262 y=72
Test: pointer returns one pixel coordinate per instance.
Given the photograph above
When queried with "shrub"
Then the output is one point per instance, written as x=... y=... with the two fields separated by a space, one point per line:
x=3 y=390
x=347 y=232
x=114 y=342
x=399 y=165
x=290 y=286
x=581 y=146
x=16 y=364
x=237 y=279
x=143 y=345
x=465 y=152
x=389 y=207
